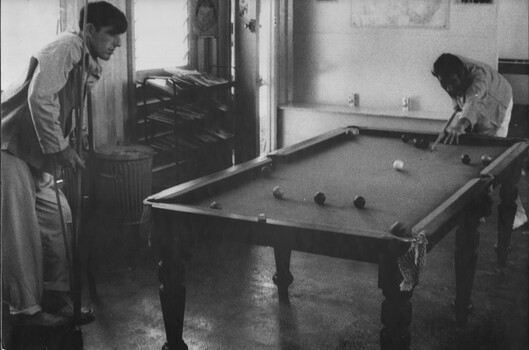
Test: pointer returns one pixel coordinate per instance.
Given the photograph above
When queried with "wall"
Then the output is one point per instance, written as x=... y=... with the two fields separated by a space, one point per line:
x=513 y=22
x=298 y=122
x=333 y=59
x=513 y=29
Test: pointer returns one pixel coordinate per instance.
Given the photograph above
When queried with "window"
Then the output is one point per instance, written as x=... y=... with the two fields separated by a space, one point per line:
x=26 y=27
x=161 y=34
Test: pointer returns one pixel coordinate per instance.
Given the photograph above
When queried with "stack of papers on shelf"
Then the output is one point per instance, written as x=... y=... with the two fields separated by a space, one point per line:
x=218 y=105
x=187 y=143
x=192 y=111
x=163 y=84
x=185 y=78
x=220 y=133
x=186 y=111
x=164 y=143
x=206 y=138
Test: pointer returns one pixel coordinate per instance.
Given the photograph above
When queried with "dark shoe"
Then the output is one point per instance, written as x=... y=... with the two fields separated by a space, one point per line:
x=58 y=303
x=87 y=314
x=40 y=319
x=469 y=307
x=462 y=313
x=496 y=249
x=502 y=255
x=53 y=301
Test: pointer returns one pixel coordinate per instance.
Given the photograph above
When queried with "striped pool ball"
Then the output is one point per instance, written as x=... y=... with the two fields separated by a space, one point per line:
x=278 y=192
x=486 y=159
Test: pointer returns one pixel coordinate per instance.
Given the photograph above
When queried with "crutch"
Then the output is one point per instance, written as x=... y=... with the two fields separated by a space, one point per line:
x=77 y=335
x=76 y=290
x=63 y=223
x=73 y=261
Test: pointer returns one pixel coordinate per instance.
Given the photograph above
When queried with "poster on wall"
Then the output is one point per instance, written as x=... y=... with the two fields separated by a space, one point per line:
x=473 y=1
x=400 y=13
x=204 y=17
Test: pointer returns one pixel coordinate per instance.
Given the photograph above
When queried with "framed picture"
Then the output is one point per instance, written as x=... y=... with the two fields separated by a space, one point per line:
x=400 y=13
x=204 y=17
x=473 y=1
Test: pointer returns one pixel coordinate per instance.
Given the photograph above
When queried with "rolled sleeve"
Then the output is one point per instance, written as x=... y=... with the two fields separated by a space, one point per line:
x=473 y=97
x=45 y=110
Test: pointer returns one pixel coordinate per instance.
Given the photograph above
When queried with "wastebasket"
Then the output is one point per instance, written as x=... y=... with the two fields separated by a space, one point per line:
x=123 y=179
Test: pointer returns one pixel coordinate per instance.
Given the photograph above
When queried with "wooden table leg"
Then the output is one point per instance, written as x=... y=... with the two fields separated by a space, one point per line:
x=466 y=257
x=282 y=278
x=396 y=312
x=171 y=273
x=506 y=212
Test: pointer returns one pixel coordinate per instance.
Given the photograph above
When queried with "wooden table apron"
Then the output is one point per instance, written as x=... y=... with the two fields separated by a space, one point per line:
x=427 y=195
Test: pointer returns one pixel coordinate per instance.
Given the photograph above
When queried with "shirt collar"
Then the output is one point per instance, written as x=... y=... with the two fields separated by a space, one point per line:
x=92 y=65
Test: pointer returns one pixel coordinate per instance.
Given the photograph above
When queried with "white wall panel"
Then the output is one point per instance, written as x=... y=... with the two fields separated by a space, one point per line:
x=333 y=59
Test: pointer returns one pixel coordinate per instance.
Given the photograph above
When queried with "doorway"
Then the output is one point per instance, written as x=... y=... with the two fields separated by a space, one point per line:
x=265 y=41
x=253 y=60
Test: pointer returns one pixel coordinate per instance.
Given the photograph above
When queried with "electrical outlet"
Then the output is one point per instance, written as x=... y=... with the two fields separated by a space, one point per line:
x=354 y=100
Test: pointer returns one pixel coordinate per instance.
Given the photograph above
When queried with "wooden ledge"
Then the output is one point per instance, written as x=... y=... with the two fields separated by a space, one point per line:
x=366 y=111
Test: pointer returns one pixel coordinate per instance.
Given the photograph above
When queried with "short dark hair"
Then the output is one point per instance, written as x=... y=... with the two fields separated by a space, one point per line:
x=102 y=14
x=448 y=64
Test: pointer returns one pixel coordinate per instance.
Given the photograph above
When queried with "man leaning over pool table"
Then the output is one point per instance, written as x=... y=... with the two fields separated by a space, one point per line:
x=482 y=101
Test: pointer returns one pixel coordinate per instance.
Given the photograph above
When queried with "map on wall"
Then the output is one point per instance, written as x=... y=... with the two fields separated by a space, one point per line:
x=400 y=13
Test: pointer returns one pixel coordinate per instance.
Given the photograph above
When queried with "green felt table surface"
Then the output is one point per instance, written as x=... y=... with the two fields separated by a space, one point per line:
x=360 y=165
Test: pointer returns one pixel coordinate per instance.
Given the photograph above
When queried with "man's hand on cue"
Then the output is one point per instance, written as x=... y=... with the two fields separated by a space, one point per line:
x=453 y=132
x=69 y=158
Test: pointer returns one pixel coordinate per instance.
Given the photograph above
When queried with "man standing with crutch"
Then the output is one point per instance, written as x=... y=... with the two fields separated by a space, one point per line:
x=38 y=117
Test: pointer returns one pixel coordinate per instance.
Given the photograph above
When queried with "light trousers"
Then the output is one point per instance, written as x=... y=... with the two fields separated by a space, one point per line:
x=520 y=216
x=33 y=246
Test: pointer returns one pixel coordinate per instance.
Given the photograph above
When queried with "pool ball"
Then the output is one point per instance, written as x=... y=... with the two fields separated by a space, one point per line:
x=405 y=138
x=465 y=158
x=352 y=132
x=278 y=192
x=486 y=159
x=420 y=142
x=319 y=198
x=398 y=164
x=359 y=202
x=398 y=229
x=266 y=171
x=215 y=205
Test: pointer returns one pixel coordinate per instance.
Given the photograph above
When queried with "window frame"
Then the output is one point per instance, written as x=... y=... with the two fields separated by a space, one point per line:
x=140 y=75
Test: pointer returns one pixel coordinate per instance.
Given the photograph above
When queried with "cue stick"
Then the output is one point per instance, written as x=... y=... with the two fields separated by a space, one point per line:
x=76 y=291
x=63 y=223
x=442 y=133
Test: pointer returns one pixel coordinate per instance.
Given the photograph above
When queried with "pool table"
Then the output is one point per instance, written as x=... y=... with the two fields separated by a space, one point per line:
x=433 y=193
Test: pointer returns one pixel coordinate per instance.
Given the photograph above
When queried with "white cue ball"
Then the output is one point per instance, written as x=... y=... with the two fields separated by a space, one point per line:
x=398 y=164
